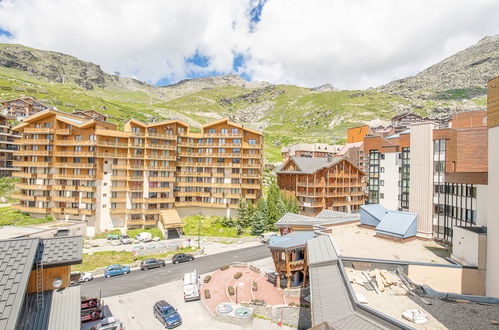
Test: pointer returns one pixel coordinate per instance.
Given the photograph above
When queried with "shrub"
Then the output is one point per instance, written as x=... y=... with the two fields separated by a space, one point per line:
x=254 y=287
x=238 y=275
x=258 y=302
x=231 y=290
x=293 y=304
x=207 y=294
x=207 y=278
x=224 y=267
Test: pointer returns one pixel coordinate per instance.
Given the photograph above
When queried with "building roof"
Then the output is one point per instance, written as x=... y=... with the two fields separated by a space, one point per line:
x=16 y=260
x=349 y=146
x=295 y=239
x=170 y=218
x=62 y=250
x=332 y=301
x=394 y=136
x=308 y=165
x=391 y=223
x=324 y=217
x=60 y=310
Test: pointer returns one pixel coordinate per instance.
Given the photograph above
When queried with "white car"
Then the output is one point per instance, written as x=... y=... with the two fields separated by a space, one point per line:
x=78 y=277
x=144 y=237
x=125 y=239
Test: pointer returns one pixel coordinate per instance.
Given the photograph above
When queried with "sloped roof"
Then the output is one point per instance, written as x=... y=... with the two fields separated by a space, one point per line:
x=308 y=165
x=62 y=250
x=394 y=136
x=320 y=251
x=170 y=218
x=16 y=259
x=295 y=239
x=349 y=146
x=324 y=217
x=399 y=224
x=376 y=210
x=331 y=214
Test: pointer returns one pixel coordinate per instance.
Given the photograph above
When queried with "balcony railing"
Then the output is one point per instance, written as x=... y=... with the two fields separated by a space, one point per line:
x=27 y=209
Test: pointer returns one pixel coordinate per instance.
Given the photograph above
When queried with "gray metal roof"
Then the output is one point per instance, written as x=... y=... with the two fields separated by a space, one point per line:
x=308 y=165
x=33 y=317
x=295 y=239
x=320 y=251
x=392 y=223
x=65 y=309
x=60 y=310
x=16 y=260
x=67 y=250
x=325 y=217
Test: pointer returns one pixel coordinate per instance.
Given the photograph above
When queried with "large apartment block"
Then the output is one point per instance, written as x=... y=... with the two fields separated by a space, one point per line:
x=312 y=150
x=7 y=147
x=22 y=107
x=332 y=183
x=87 y=170
x=439 y=173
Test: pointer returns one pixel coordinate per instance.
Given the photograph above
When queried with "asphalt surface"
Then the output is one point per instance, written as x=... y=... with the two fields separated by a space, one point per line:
x=138 y=280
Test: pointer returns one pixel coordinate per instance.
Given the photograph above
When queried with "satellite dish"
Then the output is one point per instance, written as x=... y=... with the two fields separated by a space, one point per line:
x=57 y=282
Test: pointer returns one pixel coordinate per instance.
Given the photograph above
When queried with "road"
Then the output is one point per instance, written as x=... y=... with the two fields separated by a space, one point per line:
x=138 y=280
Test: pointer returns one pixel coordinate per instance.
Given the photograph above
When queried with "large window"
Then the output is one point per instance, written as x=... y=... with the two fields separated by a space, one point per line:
x=373 y=188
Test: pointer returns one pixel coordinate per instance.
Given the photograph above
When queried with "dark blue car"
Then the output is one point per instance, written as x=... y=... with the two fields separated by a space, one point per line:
x=116 y=270
x=166 y=314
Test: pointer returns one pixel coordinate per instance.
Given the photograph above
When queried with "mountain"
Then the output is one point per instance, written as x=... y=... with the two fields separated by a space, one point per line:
x=285 y=113
x=462 y=75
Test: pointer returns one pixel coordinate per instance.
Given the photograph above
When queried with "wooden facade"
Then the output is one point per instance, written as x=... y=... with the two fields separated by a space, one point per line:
x=338 y=187
x=22 y=107
x=288 y=262
x=49 y=275
x=87 y=169
x=493 y=102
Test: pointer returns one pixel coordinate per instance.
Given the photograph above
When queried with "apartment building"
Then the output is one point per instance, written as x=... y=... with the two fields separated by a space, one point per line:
x=354 y=152
x=88 y=170
x=7 y=147
x=313 y=150
x=22 y=107
x=492 y=244
x=90 y=114
x=438 y=173
x=322 y=183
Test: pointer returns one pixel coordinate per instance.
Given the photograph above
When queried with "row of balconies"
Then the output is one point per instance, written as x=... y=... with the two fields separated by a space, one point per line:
x=49 y=210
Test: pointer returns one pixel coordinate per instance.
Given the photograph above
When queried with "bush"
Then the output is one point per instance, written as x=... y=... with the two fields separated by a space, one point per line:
x=238 y=275
x=293 y=304
x=258 y=302
x=207 y=294
x=231 y=290
x=224 y=267
x=207 y=278
x=254 y=287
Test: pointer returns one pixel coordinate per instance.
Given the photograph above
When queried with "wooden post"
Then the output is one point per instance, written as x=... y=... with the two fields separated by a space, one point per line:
x=289 y=282
x=278 y=282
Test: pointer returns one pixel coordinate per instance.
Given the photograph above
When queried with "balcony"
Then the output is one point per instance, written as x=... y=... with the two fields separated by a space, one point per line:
x=23 y=175
x=119 y=177
x=159 y=200
x=76 y=142
x=250 y=196
x=118 y=199
x=161 y=146
x=120 y=167
x=73 y=176
x=46 y=130
x=224 y=135
x=250 y=186
x=66 y=199
x=119 y=188
x=72 y=153
x=35 y=141
x=152 y=211
x=27 y=209
x=30 y=164
x=63 y=131
x=161 y=136
x=162 y=178
x=118 y=211
x=32 y=186
x=136 y=222
x=32 y=152
x=75 y=165
x=112 y=154
x=112 y=144
x=159 y=189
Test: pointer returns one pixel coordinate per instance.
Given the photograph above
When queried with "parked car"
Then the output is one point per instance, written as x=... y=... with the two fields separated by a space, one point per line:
x=151 y=263
x=109 y=324
x=166 y=314
x=78 y=277
x=182 y=257
x=192 y=286
x=144 y=237
x=125 y=239
x=112 y=237
x=116 y=270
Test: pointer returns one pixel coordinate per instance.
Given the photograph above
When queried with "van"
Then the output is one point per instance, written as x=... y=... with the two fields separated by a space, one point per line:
x=192 y=286
x=144 y=237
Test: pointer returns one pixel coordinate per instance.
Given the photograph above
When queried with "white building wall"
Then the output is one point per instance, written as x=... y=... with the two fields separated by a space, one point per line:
x=481 y=205
x=421 y=181
x=389 y=176
x=492 y=270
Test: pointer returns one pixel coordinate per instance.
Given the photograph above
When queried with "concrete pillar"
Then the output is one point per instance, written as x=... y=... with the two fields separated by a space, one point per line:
x=421 y=181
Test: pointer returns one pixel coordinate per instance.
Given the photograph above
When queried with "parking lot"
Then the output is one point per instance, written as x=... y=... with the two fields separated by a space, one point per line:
x=135 y=310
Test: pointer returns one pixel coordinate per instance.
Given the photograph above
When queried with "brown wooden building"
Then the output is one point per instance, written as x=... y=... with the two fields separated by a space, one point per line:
x=22 y=107
x=322 y=183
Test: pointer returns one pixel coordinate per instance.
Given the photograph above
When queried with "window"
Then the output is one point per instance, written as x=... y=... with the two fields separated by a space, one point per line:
x=252 y=142
x=382 y=195
x=381 y=182
x=382 y=169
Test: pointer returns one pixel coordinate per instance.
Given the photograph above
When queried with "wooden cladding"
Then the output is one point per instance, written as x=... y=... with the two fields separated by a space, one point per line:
x=467 y=177
x=493 y=102
x=49 y=275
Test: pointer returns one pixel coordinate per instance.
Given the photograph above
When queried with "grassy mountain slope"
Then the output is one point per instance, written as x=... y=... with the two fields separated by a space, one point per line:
x=285 y=113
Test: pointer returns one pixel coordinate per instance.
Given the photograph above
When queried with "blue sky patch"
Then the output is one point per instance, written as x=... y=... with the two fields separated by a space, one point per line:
x=256 y=13
x=198 y=59
x=5 y=33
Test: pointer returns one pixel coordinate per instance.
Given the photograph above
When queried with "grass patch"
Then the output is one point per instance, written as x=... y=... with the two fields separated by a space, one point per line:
x=154 y=232
x=107 y=258
x=11 y=217
x=211 y=226
x=108 y=232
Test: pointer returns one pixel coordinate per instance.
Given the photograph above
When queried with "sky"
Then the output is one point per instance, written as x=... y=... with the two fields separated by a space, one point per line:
x=349 y=44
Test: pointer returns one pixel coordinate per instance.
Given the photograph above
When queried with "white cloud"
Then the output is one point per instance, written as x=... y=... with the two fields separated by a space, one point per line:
x=305 y=42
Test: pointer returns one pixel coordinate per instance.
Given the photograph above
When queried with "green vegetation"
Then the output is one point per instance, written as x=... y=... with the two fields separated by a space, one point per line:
x=154 y=232
x=460 y=94
x=107 y=258
x=108 y=232
x=10 y=217
x=7 y=187
x=211 y=226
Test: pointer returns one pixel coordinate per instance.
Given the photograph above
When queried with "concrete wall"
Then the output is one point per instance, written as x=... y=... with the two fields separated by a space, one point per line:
x=492 y=278
x=421 y=182
x=469 y=247
x=481 y=205
x=449 y=279
x=390 y=178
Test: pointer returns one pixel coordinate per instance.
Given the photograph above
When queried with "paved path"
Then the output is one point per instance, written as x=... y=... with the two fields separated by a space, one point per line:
x=138 y=280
